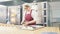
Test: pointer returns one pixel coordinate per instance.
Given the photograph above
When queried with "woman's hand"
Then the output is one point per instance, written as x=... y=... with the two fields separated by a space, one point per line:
x=26 y=23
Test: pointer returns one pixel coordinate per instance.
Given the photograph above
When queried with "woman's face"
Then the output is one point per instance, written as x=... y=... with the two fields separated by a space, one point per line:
x=27 y=8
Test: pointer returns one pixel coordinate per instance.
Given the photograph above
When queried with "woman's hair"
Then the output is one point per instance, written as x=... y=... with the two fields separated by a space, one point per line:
x=27 y=6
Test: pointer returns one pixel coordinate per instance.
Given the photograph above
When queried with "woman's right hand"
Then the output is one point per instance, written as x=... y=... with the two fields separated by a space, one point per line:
x=23 y=22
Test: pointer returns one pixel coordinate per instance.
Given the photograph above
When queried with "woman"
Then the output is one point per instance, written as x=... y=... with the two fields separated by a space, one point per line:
x=29 y=20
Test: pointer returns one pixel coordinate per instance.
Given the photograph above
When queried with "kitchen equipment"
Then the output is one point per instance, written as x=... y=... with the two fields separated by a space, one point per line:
x=14 y=14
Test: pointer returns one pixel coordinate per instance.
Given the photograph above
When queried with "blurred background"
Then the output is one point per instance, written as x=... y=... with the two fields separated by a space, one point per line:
x=53 y=10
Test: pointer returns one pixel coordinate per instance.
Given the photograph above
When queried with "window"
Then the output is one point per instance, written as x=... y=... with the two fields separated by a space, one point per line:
x=44 y=5
x=44 y=12
x=44 y=19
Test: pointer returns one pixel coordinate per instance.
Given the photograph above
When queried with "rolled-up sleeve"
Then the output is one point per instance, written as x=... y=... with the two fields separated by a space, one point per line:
x=23 y=17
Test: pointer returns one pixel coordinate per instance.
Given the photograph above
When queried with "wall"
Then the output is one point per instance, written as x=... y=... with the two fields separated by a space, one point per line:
x=54 y=8
x=3 y=10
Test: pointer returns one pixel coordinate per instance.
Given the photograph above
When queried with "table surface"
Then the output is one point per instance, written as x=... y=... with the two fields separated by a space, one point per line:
x=12 y=29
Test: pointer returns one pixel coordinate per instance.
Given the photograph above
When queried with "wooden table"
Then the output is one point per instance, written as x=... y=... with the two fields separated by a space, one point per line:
x=17 y=30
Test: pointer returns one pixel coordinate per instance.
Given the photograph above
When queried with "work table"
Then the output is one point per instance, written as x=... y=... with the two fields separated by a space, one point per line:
x=12 y=29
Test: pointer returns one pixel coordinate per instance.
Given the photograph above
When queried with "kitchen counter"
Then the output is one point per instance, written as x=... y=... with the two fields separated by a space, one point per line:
x=12 y=29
